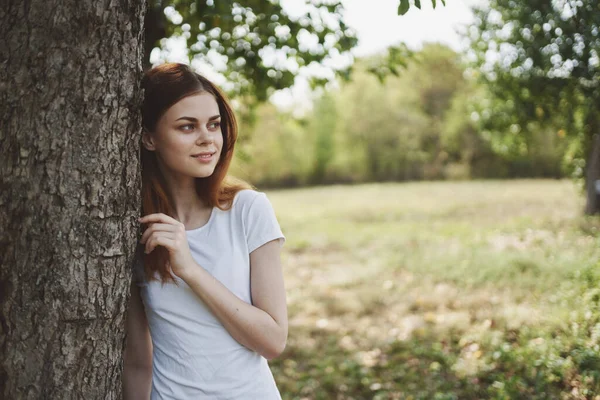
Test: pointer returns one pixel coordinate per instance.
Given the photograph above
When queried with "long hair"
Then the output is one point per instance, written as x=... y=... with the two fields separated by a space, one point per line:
x=164 y=86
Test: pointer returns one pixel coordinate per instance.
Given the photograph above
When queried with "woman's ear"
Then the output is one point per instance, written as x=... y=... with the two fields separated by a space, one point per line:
x=148 y=140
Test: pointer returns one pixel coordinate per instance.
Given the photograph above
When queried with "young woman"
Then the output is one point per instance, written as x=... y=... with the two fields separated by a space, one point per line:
x=208 y=304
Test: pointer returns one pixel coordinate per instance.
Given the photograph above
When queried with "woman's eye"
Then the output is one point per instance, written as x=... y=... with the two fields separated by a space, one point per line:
x=184 y=127
x=215 y=125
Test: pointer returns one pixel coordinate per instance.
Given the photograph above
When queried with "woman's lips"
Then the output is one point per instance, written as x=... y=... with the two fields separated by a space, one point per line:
x=204 y=157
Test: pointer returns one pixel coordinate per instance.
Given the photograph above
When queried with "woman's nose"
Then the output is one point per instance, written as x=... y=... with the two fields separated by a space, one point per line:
x=204 y=136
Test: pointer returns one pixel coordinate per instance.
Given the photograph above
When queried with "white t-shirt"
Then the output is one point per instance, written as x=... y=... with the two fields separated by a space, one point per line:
x=194 y=357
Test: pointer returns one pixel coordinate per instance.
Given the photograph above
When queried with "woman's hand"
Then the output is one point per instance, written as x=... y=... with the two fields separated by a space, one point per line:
x=168 y=232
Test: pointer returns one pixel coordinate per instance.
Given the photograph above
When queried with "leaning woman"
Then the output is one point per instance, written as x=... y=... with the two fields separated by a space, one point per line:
x=208 y=305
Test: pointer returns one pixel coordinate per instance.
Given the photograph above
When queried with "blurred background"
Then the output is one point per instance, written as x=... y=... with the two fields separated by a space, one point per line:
x=434 y=168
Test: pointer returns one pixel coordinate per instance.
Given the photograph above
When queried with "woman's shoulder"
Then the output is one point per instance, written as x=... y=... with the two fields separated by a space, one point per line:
x=257 y=218
x=245 y=197
x=250 y=203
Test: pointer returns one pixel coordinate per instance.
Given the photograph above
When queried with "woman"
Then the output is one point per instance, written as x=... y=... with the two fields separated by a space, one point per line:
x=208 y=304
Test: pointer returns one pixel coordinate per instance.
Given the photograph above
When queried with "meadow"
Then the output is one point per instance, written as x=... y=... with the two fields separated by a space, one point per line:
x=440 y=290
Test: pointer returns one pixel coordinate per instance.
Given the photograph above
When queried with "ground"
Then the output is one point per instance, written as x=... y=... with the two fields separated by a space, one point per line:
x=440 y=290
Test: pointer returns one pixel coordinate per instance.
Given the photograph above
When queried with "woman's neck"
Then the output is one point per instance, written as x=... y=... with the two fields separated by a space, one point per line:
x=188 y=206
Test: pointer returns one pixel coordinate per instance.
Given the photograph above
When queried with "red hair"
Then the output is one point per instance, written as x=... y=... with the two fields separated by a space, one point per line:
x=164 y=86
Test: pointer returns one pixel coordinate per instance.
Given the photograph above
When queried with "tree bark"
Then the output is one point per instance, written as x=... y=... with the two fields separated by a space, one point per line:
x=592 y=176
x=69 y=193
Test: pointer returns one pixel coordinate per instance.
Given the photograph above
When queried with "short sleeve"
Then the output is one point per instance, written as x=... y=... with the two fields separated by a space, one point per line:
x=261 y=225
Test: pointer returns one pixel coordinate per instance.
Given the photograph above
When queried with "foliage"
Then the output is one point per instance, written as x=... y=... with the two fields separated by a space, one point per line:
x=421 y=125
x=540 y=61
x=323 y=128
x=404 y=5
x=274 y=150
x=259 y=44
x=483 y=154
x=384 y=125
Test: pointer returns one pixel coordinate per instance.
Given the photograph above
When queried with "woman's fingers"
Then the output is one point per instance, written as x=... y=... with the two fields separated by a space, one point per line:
x=160 y=239
x=157 y=227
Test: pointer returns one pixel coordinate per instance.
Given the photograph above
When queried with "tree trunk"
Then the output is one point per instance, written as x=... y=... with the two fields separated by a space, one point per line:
x=69 y=193
x=592 y=176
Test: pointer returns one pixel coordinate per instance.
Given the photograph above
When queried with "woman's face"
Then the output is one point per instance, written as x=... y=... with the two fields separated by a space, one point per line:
x=188 y=138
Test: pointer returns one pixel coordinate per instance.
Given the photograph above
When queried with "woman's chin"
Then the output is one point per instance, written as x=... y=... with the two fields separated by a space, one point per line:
x=204 y=173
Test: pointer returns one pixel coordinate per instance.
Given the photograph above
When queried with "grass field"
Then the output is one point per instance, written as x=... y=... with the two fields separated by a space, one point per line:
x=440 y=290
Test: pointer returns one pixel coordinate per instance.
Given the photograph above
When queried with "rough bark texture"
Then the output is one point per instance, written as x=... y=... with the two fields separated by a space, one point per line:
x=592 y=175
x=69 y=194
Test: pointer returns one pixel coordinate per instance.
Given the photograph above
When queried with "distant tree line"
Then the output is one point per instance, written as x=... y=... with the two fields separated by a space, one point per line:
x=427 y=123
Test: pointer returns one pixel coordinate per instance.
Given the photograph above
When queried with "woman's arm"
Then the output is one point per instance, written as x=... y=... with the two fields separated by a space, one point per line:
x=137 y=358
x=262 y=327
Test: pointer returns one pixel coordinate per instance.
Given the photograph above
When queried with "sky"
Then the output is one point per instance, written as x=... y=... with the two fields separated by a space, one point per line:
x=377 y=25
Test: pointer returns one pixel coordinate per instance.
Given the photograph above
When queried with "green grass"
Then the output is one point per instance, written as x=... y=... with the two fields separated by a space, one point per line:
x=445 y=290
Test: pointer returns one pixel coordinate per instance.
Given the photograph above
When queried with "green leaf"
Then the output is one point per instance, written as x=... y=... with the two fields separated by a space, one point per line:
x=434 y=3
x=444 y=2
x=403 y=7
x=418 y=4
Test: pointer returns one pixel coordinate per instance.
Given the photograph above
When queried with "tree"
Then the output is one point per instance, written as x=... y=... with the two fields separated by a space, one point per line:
x=382 y=126
x=69 y=201
x=322 y=129
x=436 y=75
x=260 y=44
x=541 y=62
x=245 y=35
